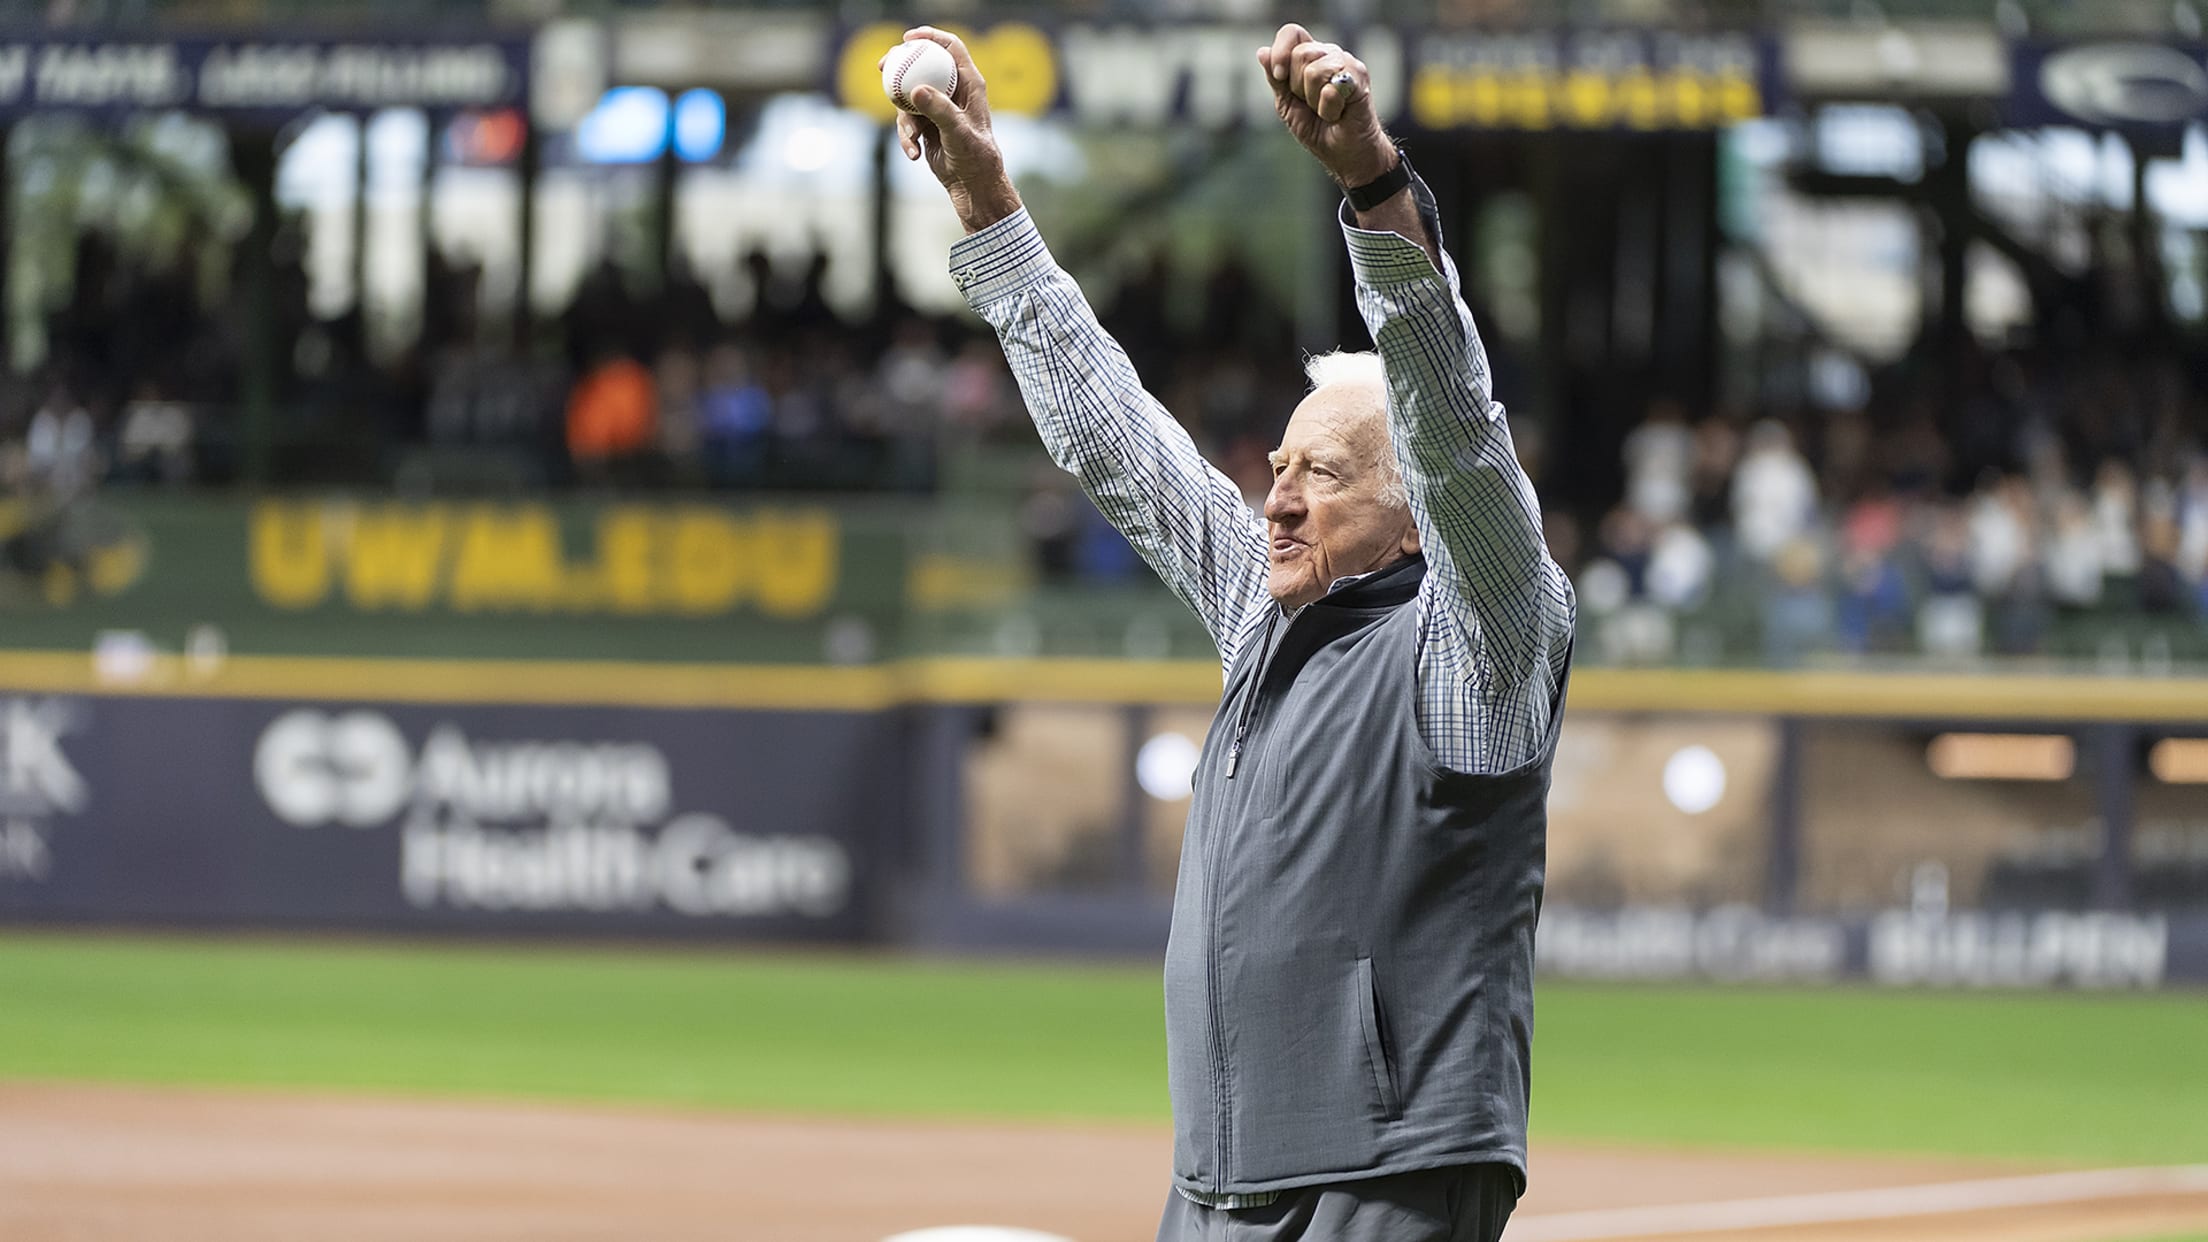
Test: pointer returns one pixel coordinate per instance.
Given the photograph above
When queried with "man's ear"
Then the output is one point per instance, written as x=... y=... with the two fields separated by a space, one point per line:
x=1410 y=541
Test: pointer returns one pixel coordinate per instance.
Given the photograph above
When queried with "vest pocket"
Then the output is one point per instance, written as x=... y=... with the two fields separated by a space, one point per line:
x=1376 y=1048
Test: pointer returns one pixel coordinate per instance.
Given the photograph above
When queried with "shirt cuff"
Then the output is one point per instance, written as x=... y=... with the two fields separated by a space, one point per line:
x=1001 y=259
x=1379 y=257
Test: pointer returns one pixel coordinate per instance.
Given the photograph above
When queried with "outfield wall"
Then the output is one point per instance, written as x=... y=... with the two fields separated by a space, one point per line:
x=929 y=803
x=512 y=819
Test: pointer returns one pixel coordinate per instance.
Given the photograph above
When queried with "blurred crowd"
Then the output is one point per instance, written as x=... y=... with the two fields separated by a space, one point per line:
x=2058 y=491
x=2054 y=489
x=648 y=384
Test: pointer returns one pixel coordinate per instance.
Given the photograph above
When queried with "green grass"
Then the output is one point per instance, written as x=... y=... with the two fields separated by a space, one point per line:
x=2104 y=1079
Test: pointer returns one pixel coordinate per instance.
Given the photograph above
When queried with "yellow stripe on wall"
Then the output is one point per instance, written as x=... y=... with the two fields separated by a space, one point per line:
x=1986 y=696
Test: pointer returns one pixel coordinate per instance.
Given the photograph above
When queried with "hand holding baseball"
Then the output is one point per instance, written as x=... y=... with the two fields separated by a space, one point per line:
x=951 y=132
x=1324 y=96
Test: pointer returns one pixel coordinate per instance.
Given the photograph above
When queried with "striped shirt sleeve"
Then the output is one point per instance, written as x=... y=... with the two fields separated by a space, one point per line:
x=1183 y=516
x=1497 y=610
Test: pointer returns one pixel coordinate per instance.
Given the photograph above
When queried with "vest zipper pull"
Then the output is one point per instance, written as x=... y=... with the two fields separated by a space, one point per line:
x=1234 y=757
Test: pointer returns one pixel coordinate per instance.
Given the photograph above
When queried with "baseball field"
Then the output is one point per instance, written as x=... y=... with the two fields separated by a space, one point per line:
x=240 y=1089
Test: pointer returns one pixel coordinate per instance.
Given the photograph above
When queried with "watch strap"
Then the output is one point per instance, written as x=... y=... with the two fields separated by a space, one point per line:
x=1383 y=187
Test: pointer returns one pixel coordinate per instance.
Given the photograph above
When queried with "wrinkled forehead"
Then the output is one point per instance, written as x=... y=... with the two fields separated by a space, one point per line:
x=1345 y=418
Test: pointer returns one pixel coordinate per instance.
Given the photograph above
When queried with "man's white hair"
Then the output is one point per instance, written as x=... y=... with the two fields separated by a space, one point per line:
x=1345 y=366
x=1362 y=366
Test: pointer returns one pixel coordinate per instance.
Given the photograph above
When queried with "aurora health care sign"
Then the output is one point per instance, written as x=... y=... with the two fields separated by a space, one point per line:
x=503 y=819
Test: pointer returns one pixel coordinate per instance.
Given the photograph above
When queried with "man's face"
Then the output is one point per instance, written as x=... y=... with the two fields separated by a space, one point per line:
x=1326 y=514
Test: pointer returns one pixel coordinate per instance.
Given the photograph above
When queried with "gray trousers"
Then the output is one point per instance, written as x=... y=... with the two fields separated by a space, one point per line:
x=1468 y=1203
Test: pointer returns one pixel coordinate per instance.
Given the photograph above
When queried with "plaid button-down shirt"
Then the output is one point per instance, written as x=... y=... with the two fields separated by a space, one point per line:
x=1496 y=611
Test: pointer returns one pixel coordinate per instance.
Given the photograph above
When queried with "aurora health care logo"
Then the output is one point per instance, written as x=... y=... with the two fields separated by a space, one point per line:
x=536 y=824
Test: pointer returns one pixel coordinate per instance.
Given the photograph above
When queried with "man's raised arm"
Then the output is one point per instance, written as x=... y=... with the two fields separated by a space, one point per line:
x=1490 y=572
x=1139 y=466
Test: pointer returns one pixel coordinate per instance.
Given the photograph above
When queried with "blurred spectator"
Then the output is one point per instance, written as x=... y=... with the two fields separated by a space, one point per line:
x=977 y=399
x=1716 y=453
x=611 y=415
x=1774 y=493
x=2161 y=586
x=680 y=416
x=687 y=316
x=2000 y=536
x=1659 y=455
x=2115 y=517
x=154 y=443
x=1797 y=610
x=736 y=416
x=1951 y=622
x=602 y=317
x=1680 y=567
x=2072 y=559
x=911 y=375
x=61 y=449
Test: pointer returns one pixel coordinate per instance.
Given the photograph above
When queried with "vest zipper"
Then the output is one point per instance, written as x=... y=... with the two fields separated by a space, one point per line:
x=1249 y=702
x=1223 y=1112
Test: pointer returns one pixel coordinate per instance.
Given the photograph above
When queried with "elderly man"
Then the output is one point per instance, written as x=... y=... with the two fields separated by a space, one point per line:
x=1348 y=986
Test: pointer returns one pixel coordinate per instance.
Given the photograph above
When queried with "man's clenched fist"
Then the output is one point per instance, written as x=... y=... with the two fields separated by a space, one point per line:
x=1324 y=97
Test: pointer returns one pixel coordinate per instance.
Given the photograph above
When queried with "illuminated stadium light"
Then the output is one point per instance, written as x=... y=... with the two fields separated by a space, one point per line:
x=2180 y=761
x=629 y=126
x=1694 y=779
x=2002 y=756
x=701 y=122
x=810 y=148
x=1166 y=767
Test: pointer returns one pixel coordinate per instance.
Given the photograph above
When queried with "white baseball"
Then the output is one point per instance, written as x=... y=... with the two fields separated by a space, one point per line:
x=920 y=62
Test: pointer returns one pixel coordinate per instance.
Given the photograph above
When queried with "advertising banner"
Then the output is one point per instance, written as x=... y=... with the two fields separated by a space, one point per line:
x=1206 y=74
x=1590 y=79
x=2134 y=86
x=494 y=819
x=267 y=76
x=661 y=579
x=2087 y=949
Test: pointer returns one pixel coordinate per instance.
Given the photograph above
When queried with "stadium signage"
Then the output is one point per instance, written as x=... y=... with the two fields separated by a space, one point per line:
x=537 y=825
x=1900 y=948
x=1731 y=943
x=38 y=782
x=561 y=579
x=1205 y=74
x=1112 y=74
x=2085 y=950
x=2114 y=85
x=504 y=819
x=644 y=560
x=275 y=76
x=1629 y=80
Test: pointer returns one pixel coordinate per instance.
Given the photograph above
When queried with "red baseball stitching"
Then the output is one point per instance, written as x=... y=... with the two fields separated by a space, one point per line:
x=897 y=84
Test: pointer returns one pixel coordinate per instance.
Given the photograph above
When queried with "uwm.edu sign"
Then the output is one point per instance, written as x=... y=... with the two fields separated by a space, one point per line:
x=632 y=560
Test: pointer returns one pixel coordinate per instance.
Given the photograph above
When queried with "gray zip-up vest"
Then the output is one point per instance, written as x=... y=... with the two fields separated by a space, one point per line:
x=1349 y=982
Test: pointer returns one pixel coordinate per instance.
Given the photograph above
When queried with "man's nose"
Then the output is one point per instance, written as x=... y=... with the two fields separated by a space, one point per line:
x=1284 y=502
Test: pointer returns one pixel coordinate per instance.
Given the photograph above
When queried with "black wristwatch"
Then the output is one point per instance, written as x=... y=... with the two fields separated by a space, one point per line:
x=1383 y=187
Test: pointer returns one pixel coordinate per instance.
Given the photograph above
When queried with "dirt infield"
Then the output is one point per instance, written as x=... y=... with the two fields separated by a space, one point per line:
x=88 y=1163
